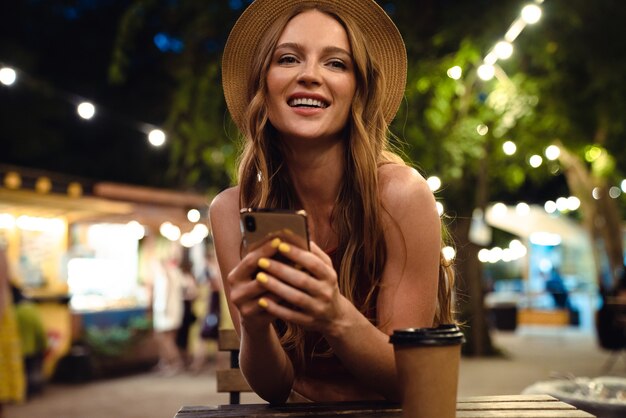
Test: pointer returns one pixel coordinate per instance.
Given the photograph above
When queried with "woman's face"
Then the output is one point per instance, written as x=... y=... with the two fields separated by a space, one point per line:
x=311 y=81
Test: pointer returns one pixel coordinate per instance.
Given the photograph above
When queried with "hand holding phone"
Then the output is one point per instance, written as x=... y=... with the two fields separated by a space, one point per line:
x=261 y=225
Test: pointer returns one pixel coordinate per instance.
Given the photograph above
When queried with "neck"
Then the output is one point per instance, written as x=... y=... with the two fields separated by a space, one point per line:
x=316 y=173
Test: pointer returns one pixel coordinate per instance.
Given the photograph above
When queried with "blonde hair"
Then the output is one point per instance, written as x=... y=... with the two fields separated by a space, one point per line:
x=357 y=215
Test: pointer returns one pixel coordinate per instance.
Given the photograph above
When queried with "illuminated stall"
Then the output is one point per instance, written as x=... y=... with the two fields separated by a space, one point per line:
x=75 y=248
x=546 y=247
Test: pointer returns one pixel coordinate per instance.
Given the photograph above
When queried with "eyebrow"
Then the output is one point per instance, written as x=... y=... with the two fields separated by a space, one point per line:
x=326 y=50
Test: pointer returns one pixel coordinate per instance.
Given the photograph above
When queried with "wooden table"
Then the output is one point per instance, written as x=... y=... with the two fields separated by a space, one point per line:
x=510 y=406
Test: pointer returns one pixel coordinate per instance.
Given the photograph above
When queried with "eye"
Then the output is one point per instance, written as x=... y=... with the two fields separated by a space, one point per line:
x=287 y=59
x=338 y=64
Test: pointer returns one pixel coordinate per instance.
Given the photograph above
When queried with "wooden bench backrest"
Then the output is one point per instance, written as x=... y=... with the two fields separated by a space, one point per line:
x=231 y=380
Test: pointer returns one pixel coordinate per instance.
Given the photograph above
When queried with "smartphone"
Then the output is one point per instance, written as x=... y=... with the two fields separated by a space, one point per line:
x=261 y=225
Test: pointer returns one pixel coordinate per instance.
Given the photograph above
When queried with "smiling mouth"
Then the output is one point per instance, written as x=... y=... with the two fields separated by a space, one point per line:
x=307 y=102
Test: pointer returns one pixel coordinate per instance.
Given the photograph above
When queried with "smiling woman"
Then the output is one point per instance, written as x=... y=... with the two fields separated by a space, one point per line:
x=323 y=80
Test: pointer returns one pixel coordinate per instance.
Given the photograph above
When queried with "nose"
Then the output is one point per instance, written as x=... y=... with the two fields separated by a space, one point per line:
x=309 y=74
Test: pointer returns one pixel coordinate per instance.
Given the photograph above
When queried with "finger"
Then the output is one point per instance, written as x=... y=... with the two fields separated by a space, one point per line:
x=317 y=250
x=285 y=292
x=318 y=266
x=292 y=276
x=246 y=269
x=285 y=313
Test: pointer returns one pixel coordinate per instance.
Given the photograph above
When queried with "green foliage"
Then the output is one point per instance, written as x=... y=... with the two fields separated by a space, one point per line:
x=115 y=340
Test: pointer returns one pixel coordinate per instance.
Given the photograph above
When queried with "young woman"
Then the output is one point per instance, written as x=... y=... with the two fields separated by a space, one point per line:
x=313 y=85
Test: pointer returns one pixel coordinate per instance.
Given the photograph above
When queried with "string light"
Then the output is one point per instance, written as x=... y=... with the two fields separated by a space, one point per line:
x=530 y=14
x=193 y=215
x=156 y=137
x=434 y=183
x=86 y=109
x=509 y=147
x=455 y=72
x=552 y=152
x=503 y=50
x=7 y=76
x=486 y=72
x=535 y=161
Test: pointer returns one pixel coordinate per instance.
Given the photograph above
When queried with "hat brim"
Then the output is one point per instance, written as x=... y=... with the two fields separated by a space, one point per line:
x=384 y=43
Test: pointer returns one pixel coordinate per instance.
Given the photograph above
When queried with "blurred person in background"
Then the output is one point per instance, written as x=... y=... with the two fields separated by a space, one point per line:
x=167 y=306
x=209 y=328
x=190 y=294
x=33 y=338
x=12 y=379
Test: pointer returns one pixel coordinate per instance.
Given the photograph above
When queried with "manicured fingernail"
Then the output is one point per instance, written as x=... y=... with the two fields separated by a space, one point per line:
x=263 y=263
x=276 y=242
x=263 y=303
x=262 y=277
x=284 y=248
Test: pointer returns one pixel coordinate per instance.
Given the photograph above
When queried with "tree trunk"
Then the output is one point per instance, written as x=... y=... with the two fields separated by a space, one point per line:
x=470 y=292
x=470 y=289
x=600 y=216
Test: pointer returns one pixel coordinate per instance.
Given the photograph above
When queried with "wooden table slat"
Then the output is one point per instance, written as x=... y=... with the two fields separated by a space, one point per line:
x=520 y=406
x=506 y=398
x=565 y=413
x=484 y=406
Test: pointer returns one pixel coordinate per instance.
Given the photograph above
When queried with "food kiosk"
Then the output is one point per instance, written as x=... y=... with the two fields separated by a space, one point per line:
x=74 y=247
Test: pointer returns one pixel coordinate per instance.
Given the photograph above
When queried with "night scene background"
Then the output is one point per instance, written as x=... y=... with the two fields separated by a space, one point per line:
x=507 y=108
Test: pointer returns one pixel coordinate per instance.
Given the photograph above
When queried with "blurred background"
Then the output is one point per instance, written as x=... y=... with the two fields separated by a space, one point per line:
x=115 y=137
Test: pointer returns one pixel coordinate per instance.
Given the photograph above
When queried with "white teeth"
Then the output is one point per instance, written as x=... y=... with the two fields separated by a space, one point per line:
x=303 y=101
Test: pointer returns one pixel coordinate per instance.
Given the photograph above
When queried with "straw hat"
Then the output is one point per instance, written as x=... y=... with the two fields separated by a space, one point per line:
x=384 y=42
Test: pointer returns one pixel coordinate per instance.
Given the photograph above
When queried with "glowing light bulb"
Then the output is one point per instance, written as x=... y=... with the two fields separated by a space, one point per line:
x=434 y=183
x=86 y=110
x=552 y=152
x=7 y=76
x=193 y=215
x=531 y=13
x=550 y=206
x=482 y=129
x=486 y=72
x=535 y=161
x=455 y=72
x=156 y=137
x=503 y=50
x=509 y=147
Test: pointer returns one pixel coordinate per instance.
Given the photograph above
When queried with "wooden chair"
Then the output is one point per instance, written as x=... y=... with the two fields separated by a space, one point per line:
x=231 y=380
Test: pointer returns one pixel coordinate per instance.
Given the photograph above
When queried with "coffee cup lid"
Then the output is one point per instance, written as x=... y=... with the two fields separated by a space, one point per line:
x=445 y=334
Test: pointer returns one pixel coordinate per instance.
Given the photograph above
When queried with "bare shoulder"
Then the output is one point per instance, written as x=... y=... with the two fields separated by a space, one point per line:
x=224 y=204
x=403 y=189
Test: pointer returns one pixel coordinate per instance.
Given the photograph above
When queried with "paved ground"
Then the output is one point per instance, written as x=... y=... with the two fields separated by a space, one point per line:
x=532 y=354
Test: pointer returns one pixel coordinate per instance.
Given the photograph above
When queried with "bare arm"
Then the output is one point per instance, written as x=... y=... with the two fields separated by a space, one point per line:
x=409 y=284
x=264 y=363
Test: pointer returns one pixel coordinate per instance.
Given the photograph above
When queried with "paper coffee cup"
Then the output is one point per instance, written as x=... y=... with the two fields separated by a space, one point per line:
x=427 y=362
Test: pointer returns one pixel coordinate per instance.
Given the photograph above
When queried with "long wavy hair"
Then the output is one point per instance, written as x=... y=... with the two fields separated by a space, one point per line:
x=357 y=216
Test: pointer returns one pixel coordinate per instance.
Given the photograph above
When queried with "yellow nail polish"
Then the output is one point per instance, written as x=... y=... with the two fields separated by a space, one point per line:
x=284 y=248
x=262 y=277
x=263 y=263
x=263 y=303
x=276 y=242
